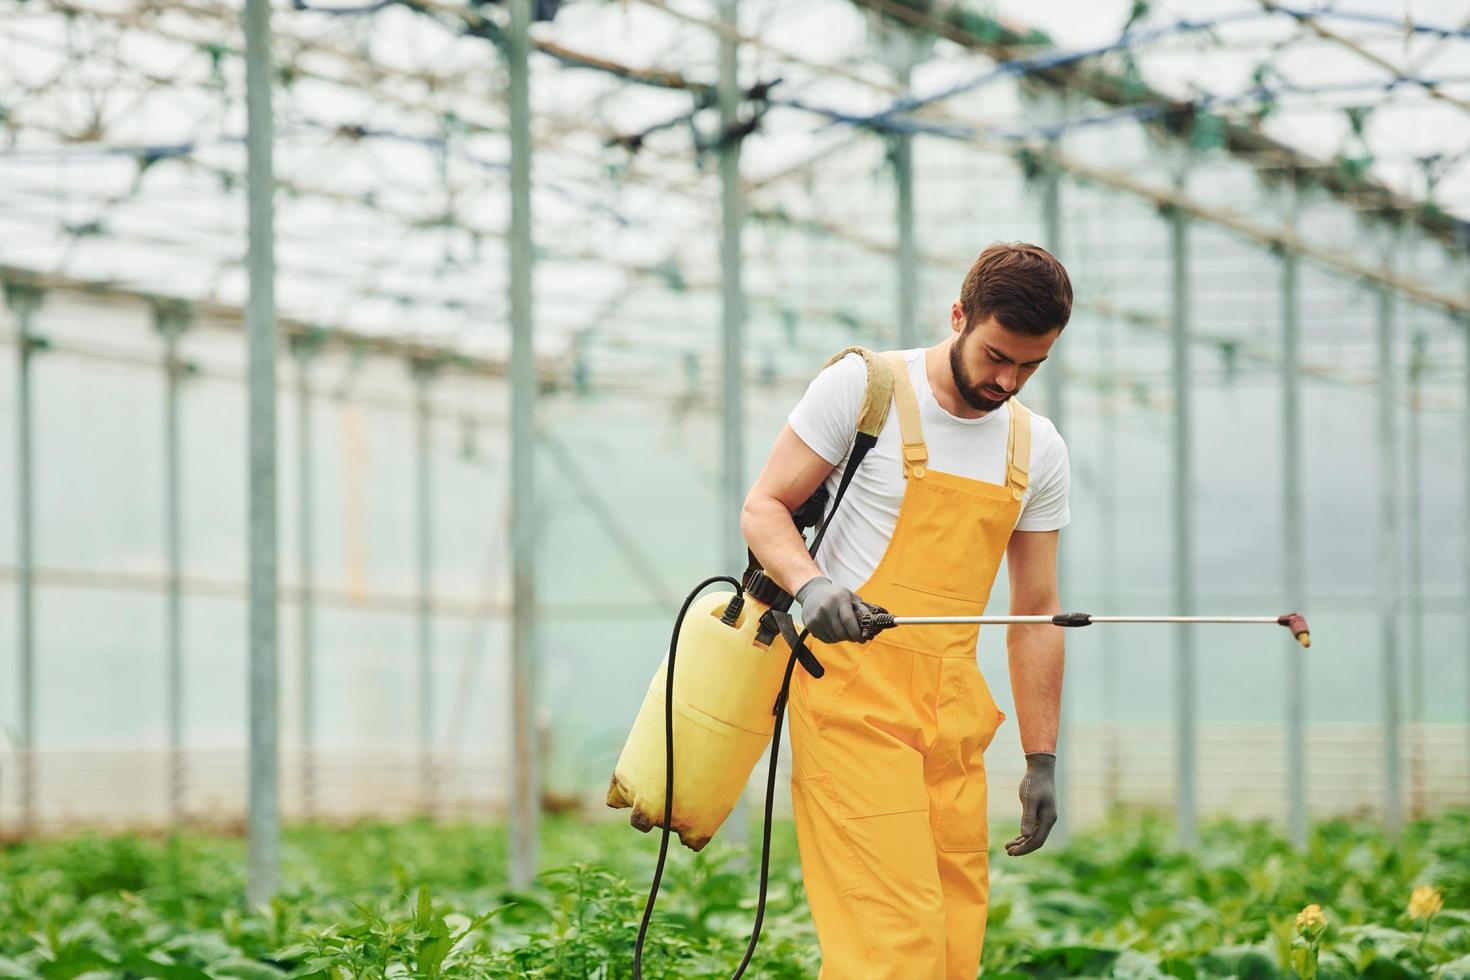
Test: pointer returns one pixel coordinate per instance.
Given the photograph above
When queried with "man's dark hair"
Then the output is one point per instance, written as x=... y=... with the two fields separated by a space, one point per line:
x=1023 y=286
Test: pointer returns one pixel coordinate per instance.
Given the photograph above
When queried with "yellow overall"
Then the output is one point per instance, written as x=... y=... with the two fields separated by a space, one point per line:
x=888 y=767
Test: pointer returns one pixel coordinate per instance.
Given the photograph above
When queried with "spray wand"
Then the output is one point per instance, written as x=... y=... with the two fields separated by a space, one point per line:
x=875 y=619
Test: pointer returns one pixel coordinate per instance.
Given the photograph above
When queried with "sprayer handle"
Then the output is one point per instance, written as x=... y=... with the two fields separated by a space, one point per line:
x=873 y=619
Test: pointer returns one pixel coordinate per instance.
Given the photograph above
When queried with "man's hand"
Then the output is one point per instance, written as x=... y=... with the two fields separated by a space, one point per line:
x=1038 y=803
x=827 y=610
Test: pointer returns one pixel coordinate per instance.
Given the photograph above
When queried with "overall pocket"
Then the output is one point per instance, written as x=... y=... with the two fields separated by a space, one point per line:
x=945 y=547
x=968 y=720
x=841 y=663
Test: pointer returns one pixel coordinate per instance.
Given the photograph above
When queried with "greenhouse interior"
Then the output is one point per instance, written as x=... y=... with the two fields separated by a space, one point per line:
x=382 y=375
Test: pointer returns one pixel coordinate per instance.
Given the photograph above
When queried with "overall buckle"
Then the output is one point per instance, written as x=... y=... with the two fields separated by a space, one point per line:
x=916 y=458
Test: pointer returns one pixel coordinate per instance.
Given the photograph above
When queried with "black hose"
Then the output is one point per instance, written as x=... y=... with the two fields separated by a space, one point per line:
x=663 y=844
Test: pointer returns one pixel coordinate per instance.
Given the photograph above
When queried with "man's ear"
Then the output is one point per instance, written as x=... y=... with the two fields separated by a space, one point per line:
x=956 y=317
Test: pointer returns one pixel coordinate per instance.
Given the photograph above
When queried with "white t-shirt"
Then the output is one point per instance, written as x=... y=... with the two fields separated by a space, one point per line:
x=826 y=420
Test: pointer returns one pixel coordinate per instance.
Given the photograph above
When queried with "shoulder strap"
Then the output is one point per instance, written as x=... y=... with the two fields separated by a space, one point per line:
x=915 y=453
x=1018 y=450
x=874 y=413
x=877 y=395
x=872 y=416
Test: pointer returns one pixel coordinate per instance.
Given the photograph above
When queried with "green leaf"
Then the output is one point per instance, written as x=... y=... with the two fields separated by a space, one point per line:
x=246 y=970
x=1073 y=960
x=1244 y=963
x=156 y=965
x=295 y=951
x=434 y=949
x=73 y=962
x=317 y=966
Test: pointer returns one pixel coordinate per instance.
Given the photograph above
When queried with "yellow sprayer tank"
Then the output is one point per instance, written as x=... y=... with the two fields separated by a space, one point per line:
x=725 y=685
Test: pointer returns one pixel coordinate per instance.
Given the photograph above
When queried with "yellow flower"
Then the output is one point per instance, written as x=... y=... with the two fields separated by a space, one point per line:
x=1310 y=917
x=1425 y=901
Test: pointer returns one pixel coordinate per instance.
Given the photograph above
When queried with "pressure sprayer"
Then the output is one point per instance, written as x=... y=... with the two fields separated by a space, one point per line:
x=738 y=651
x=872 y=620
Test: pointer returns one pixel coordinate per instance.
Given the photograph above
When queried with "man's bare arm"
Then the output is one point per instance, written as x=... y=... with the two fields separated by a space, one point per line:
x=1036 y=651
x=792 y=473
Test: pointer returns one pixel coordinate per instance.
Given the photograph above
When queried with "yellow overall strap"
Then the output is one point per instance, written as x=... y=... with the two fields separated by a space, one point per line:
x=915 y=453
x=877 y=395
x=1018 y=450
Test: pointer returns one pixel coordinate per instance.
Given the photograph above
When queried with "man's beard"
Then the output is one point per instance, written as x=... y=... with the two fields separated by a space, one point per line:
x=968 y=390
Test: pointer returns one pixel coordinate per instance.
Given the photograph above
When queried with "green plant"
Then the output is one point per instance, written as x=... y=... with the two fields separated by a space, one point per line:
x=424 y=900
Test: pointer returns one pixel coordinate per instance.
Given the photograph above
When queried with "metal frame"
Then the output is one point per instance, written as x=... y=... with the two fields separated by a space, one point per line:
x=23 y=300
x=171 y=320
x=525 y=795
x=264 y=823
x=1183 y=536
x=1294 y=541
x=1390 y=566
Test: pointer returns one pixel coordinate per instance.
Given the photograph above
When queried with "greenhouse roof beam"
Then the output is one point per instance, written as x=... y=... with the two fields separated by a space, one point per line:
x=372 y=71
x=1312 y=23
x=1154 y=323
x=1272 y=237
x=482 y=26
x=214 y=311
x=1296 y=164
x=1239 y=140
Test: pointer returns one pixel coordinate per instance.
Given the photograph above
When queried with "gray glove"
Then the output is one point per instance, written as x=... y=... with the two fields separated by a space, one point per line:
x=1038 y=803
x=827 y=610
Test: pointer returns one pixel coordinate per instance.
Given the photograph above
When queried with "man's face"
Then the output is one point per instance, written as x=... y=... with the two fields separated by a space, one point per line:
x=991 y=363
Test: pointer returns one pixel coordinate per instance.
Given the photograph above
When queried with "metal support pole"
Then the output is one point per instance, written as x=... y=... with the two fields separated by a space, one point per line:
x=1415 y=533
x=1184 y=678
x=908 y=251
x=23 y=301
x=171 y=320
x=1388 y=551
x=1108 y=539
x=1051 y=213
x=1295 y=543
x=264 y=823
x=525 y=796
x=1465 y=503
x=423 y=372
x=305 y=349
x=732 y=210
